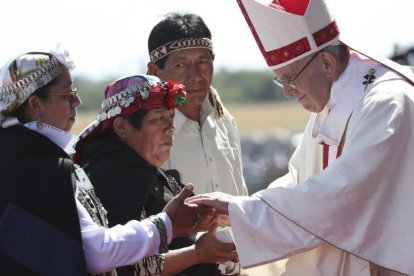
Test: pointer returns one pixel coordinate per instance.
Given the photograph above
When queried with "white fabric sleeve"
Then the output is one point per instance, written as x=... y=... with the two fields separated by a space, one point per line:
x=262 y=235
x=120 y=245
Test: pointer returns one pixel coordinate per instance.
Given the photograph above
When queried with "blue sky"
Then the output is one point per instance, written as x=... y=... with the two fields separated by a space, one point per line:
x=109 y=38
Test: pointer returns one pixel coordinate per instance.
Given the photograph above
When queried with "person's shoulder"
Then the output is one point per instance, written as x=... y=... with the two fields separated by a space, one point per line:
x=31 y=144
x=227 y=118
x=390 y=95
x=19 y=133
x=390 y=84
x=106 y=150
x=104 y=160
x=227 y=114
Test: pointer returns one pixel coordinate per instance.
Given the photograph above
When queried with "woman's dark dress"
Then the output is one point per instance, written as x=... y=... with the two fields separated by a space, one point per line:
x=39 y=225
x=126 y=185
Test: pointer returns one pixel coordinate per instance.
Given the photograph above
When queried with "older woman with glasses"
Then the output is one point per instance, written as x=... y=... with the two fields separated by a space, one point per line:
x=122 y=152
x=50 y=219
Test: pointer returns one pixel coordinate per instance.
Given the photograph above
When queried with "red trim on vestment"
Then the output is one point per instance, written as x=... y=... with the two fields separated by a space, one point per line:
x=325 y=155
x=249 y=22
x=280 y=55
x=341 y=145
x=295 y=49
x=287 y=52
x=326 y=152
x=326 y=34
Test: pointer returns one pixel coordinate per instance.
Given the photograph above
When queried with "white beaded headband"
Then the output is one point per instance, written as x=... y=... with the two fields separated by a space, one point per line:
x=13 y=95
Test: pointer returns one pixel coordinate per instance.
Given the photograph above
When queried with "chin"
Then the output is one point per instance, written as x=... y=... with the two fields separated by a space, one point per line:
x=68 y=128
x=196 y=99
x=311 y=108
x=163 y=159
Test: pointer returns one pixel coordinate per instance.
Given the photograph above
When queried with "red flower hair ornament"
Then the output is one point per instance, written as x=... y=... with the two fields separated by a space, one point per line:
x=176 y=94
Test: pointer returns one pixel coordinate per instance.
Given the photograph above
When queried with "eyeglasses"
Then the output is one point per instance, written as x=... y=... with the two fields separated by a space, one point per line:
x=290 y=83
x=73 y=94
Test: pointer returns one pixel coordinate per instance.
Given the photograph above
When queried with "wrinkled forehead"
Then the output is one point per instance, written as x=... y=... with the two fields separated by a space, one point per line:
x=290 y=69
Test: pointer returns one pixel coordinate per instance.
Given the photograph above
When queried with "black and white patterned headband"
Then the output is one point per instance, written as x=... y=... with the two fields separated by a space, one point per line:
x=176 y=45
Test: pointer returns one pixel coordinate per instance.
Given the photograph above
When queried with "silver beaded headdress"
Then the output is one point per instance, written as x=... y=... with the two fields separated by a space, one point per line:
x=26 y=73
x=127 y=95
x=26 y=82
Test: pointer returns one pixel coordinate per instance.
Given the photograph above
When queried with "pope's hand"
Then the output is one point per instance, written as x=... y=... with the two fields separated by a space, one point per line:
x=184 y=216
x=217 y=200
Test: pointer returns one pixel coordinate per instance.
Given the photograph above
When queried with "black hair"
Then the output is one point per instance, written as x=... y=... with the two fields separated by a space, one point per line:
x=136 y=118
x=176 y=26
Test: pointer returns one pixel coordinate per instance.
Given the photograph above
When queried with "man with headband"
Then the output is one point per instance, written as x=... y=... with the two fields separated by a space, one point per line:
x=345 y=206
x=206 y=149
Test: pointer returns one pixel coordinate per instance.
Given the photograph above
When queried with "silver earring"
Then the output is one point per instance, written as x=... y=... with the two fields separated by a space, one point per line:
x=40 y=124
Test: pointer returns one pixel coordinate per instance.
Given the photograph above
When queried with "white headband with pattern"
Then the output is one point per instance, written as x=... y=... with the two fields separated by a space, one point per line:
x=180 y=44
x=14 y=93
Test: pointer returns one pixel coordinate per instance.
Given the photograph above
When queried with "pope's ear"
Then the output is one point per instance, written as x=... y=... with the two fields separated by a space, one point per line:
x=120 y=126
x=330 y=63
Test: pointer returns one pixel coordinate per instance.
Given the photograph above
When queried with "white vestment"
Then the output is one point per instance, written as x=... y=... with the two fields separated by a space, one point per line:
x=359 y=209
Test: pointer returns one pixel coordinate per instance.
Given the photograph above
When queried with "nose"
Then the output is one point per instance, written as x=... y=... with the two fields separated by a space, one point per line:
x=194 y=73
x=288 y=91
x=76 y=101
x=170 y=127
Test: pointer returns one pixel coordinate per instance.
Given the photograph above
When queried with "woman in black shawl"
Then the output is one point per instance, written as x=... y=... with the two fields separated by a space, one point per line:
x=122 y=152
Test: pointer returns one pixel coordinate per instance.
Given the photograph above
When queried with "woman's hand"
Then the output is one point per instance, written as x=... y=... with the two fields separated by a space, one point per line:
x=185 y=216
x=210 y=250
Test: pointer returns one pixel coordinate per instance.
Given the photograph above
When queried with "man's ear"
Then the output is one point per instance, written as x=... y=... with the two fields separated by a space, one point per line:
x=330 y=64
x=120 y=126
x=152 y=69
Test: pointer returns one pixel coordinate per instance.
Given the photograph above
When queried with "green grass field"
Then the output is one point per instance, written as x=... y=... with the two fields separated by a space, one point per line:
x=269 y=116
x=250 y=117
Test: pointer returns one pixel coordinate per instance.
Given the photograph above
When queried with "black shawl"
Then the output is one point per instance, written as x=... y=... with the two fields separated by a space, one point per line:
x=39 y=225
x=126 y=184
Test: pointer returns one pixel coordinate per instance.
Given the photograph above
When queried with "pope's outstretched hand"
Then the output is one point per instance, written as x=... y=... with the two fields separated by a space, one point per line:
x=217 y=200
x=184 y=216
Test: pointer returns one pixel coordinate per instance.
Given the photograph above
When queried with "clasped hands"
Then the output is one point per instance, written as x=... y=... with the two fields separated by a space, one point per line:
x=190 y=215
x=200 y=213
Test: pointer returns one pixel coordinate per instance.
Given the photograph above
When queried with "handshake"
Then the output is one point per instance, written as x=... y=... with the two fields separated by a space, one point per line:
x=191 y=215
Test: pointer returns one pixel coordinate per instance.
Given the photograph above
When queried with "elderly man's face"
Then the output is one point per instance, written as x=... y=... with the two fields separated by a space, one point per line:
x=311 y=87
